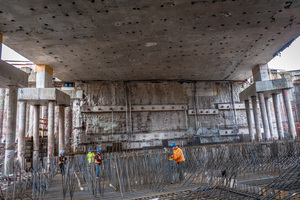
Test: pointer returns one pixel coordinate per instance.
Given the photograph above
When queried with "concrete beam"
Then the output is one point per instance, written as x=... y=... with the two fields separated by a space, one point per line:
x=9 y=75
x=41 y=96
x=74 y=94
x=267 y=88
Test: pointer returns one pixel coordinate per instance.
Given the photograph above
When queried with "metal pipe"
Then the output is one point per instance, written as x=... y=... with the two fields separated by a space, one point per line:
x=21 y=134
x=11 y=130
x=264 y=115
x=256 y=118
x=278 y=116
x=289 y=113
x=249 y=120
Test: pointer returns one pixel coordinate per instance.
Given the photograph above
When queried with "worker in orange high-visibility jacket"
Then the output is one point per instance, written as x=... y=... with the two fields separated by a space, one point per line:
x=62 y=161
x=179 y=158
x=98 y=161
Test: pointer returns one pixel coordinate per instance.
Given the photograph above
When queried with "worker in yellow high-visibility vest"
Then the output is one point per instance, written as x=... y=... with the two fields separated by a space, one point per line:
x=90 y=156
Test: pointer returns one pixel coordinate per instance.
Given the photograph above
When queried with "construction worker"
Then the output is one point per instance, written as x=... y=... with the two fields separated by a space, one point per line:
x=62 y=161
x=179 y=158
x=90 y=156
x=98 y=161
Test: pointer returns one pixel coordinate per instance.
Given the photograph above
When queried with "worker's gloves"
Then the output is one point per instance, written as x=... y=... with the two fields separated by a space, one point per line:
x=171 y=158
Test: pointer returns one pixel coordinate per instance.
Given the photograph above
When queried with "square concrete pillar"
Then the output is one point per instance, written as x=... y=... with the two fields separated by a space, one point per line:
x=44 y=76
x=260 y=73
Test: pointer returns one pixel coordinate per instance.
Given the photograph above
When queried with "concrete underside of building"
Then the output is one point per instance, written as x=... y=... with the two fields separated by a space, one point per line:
x=136 y=76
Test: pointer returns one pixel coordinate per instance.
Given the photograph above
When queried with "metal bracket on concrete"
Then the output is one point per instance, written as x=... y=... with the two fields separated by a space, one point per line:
x=204 y=112
x=227 y=106
x=231 y=131
x=135 y=108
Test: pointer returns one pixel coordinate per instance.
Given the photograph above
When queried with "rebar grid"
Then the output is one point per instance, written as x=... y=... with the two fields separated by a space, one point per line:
x=217 y=171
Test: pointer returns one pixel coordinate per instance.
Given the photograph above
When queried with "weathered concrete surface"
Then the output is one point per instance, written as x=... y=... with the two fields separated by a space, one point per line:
x=143 y=40
x=205 y=95
x=267 y=87
x=9 y=75
x=41 y=96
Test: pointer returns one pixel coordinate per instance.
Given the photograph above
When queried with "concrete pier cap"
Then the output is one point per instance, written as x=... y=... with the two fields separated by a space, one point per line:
x=267 y=88
x=41 y=96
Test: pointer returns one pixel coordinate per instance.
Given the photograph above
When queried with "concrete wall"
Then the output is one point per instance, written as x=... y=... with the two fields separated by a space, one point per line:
x=206 y=96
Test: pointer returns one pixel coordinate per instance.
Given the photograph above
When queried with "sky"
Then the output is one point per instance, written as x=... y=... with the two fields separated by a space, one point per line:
x=288 y=60
x=9 y=54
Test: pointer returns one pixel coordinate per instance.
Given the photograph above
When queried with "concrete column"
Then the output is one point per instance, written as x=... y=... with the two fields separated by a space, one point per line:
x=269 y=114
x=278 y=116
x=11 y=130
x=51 y=144
x=61 y=124
x=256 y=118
x=68 y=127
x=36 y=135
x=21 y=134
x=44 y=116
x=28 y=121
x=0 y=45
x=289 y=113
x=76 y=123
x=4 y=125
x=264 y=115
x=31 y=118
x=56 y=121
x=249 y=120
x=2 y=100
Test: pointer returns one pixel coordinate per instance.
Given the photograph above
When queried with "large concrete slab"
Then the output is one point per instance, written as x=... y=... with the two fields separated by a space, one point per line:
x=41 y=96
x=144 y=40
x=10 y=75
x=267 y=87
